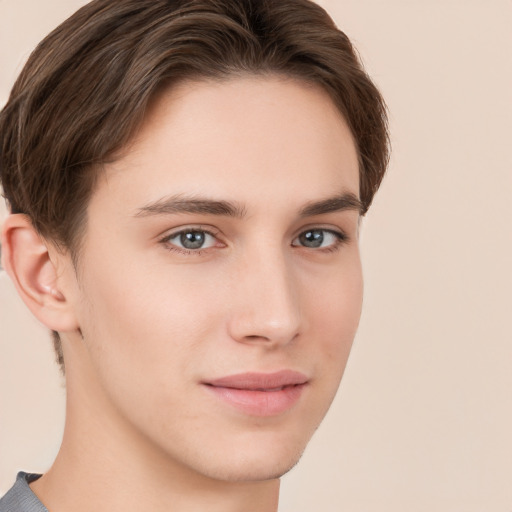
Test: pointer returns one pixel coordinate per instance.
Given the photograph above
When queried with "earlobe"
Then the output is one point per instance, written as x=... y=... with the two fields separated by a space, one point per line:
x=26 y=258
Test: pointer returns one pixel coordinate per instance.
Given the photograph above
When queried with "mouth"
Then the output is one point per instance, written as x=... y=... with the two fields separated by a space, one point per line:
x=260 y=394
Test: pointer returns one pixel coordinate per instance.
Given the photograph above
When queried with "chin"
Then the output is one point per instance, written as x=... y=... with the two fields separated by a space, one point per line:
x=253 y=471
x=257 y=460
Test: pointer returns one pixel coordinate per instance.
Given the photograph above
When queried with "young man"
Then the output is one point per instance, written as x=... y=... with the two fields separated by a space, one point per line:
x=186 y=181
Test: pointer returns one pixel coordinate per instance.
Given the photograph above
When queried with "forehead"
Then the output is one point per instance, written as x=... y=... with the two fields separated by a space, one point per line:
x=244 y=138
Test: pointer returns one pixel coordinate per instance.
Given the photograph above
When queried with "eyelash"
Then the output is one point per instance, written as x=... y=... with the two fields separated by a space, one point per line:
x=166 y=241
x=341 y=239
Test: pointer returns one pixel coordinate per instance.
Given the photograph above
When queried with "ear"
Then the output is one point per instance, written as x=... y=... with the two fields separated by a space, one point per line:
x=26 y=258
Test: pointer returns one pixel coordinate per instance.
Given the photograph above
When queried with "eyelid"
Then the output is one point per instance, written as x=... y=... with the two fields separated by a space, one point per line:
x=165 y=239
x=169 y=233
x=341 y=237
x=340 y=234
x=336 y=230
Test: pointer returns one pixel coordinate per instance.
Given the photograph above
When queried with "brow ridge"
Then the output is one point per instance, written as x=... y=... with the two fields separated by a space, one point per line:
x=342 y=202
x=180 y=204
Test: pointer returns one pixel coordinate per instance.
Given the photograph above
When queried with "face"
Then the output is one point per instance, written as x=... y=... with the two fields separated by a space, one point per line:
x=219 y=286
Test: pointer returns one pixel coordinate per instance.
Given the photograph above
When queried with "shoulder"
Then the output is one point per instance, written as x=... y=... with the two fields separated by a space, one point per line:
x=20 y=497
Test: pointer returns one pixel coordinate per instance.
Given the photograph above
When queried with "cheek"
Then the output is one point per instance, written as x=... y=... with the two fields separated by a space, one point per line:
x=144 y=336
x=335 y=313
x=148 y=319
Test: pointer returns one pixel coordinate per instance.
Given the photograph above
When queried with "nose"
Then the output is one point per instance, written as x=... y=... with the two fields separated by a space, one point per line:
x=266 y=302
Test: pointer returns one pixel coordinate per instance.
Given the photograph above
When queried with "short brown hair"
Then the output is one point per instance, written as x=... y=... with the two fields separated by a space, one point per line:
x=85 y=89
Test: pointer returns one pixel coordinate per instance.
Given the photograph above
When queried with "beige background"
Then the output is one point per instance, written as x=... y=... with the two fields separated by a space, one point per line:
x=423 y=421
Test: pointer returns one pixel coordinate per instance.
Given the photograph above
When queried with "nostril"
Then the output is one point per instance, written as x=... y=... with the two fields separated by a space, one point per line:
x=255 y=337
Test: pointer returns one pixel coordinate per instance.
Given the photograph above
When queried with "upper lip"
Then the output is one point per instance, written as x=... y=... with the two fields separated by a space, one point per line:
x=254 y=381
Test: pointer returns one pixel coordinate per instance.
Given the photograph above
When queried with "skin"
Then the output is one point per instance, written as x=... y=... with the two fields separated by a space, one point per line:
x=145 y=323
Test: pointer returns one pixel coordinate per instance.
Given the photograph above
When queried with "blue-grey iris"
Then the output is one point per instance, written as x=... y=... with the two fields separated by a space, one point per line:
x=313 y=238
x=192 y=239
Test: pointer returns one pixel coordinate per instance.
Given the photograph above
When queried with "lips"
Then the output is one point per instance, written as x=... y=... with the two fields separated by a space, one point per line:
x=260 y=394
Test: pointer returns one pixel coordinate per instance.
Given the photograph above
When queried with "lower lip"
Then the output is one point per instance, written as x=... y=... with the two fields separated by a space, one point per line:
x=260 y=403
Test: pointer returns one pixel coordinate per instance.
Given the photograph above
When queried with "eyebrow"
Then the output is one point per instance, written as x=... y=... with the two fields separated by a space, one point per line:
x=181 y=204
x=342 y=202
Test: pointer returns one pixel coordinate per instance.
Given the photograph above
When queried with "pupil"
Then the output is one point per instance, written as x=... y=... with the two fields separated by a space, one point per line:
x=192 y=239
x=312 y=238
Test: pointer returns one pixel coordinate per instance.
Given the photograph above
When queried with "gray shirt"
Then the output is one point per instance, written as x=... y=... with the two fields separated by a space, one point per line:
x=20 y=497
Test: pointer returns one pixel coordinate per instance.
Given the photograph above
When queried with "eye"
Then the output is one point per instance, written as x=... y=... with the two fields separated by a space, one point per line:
x=319 y=239
x=191 y=239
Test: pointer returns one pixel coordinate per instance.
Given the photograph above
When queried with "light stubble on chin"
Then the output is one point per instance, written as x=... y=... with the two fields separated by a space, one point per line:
x=254 y=475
